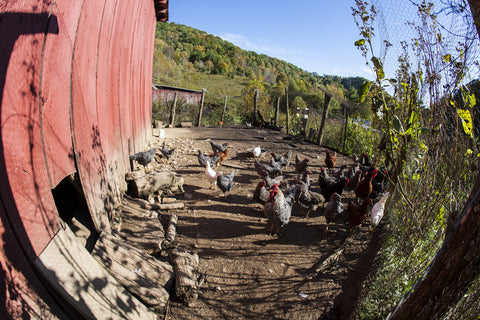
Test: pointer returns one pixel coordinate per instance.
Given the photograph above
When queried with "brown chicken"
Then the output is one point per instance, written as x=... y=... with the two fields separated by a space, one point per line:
x=330 y=160
x=301 y=165
x=223 y=156
x=364 y=186
x=357 y=213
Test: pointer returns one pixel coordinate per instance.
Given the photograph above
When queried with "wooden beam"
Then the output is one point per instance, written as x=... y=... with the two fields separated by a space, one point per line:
x=202 y=100
x=324 y=117
x=172 y=112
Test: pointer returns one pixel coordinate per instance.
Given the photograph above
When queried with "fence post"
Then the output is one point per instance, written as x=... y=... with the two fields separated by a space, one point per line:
x=288 y=113
x=324 y=117
x=345 y=127
x=202 y=99
x=224 y=108
x=255 y=106
x=277 y=110
x=172 y=112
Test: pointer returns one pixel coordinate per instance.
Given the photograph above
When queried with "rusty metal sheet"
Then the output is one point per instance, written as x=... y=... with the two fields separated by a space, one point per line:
x=27 y=195
x=55 y=101
x=88 y=146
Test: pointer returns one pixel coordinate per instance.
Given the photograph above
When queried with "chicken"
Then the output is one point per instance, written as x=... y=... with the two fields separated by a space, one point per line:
x=225 y=183
x=144 y=157
x=364 y=186
x=257 y=151
x=301 y=165
x=278 y=208
x=334 y=211
x=211 y=175
x=305 y=177
x=330 y=160
x=222 y=156
x=365 y=163
x=353 y=182
x=329 y=185
x=271 y=181
x=271 y=171
x=284 y=159
x=357 y=213
x=167 y=153
x=378 y=183
x=217 y=147
x=306 y=199
x=261 y=193
x=377 y=211
x=340 y=173
x=203 y=159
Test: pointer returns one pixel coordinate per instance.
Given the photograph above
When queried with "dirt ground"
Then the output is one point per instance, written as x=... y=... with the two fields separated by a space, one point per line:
x=248 y=273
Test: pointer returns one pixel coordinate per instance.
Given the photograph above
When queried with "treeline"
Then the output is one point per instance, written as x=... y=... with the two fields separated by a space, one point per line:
x=181 y=50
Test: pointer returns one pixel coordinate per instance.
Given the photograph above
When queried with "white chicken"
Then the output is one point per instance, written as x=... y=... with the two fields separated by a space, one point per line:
x=377 y=211
x=257 y=151
x=211 y=175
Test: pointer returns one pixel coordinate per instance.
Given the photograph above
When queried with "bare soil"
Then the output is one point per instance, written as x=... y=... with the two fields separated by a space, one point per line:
x=248 y=273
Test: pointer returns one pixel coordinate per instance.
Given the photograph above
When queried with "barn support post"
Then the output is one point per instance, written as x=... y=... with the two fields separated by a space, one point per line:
x=255 y=106
x=172 y=112
x=288 y=112
x=324 y=117
x=202 y=99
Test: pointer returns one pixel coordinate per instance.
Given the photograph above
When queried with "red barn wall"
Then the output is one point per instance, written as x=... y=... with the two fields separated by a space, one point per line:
x=75 y=96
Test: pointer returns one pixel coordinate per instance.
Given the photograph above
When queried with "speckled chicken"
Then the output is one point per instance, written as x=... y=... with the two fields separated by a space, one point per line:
x=219 y=147
x=283 y=158
x=272 y=171
x=203 y=159
x=334 y=211
x=225 y=182
x=261 y=193
x=278 y=208
x=306 y=199
x=144 y=157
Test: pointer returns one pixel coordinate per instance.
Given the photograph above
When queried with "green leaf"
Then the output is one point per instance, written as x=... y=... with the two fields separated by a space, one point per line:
x=472 y=101
x=360 y=42
x=466 y=121
x=469 y=151
x=364 y=91
x=378 y=67
x=447 y=58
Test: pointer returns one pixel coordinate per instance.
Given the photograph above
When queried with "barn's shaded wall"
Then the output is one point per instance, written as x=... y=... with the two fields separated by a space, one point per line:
x=75 y=96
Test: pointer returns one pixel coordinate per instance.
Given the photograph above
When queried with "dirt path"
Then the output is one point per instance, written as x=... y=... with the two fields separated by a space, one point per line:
x=249 y=274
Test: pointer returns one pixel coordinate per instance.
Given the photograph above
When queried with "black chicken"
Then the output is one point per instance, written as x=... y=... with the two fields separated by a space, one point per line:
x=329 y=185
x=167 y=153
x=225 y=183
x=144 y=157
x=334 y=211
x=217 y=147
x=202 y=159
x=272 y=171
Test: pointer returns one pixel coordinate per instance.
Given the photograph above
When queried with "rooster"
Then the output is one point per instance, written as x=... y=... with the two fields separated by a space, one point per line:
x=306 y=199
x=364 y=187
x=203 y=159
x=357 y=213
x=167 y=153
x=261 y=193
x=329 y=185
x=144 y=157
x=330 y=160
x=278 y=208
x=377 y=211
x=301 y=165
x=211 y=175
x=225 y=183
x=217 y=147
x=334 y=211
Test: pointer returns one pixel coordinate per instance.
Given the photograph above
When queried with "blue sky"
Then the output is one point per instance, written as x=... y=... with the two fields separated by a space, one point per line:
x=315 y=35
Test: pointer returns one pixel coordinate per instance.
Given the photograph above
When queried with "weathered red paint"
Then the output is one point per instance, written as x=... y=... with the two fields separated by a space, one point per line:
x=166 y=94
x=75 y=87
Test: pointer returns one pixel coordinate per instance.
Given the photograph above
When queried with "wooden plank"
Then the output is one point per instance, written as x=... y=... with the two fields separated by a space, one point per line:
x=141 y=274
x=185 y=265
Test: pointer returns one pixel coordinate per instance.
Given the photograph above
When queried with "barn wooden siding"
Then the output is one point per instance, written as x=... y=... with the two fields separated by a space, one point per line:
x=75 y=96
x=167 y=93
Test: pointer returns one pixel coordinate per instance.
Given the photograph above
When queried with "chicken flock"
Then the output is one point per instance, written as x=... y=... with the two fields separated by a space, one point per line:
x=278 y=195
